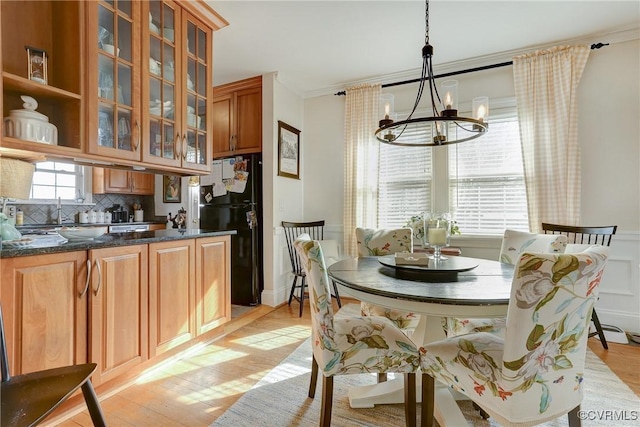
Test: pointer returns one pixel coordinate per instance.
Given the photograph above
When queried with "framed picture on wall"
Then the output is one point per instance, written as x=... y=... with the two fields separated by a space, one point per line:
x=171 y=190
x=288 y=151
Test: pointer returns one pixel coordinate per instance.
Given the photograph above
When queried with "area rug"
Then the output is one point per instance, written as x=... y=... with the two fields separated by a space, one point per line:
x=280 y=399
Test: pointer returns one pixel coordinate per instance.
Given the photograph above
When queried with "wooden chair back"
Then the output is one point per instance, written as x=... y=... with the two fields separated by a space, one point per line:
x=315 y=230
x=600 y=235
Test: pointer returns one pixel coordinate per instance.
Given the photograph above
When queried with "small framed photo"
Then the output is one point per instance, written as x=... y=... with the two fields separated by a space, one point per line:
x=171 y=189
x=37 y=65
x=288 y=151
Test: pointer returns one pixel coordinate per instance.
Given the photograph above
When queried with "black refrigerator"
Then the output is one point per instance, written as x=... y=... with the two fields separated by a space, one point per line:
x=240 y=211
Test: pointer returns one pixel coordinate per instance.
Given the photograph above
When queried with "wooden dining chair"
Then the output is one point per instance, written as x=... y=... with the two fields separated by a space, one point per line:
x=600 y=235
x=315 y=231
x=29 y=398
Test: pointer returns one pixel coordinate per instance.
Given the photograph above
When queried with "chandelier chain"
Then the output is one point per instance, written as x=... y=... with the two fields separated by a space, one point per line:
x=426 y=23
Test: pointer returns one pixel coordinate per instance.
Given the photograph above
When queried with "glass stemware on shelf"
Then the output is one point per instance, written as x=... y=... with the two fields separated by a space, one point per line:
x=437 y=233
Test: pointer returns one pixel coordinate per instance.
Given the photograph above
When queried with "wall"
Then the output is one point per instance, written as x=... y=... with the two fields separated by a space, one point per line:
x=609 y=135
x=283 y=197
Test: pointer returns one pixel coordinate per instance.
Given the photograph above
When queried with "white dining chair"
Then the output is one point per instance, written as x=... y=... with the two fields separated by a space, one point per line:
x=535 y=373
x=514 y=243
x=344 y=345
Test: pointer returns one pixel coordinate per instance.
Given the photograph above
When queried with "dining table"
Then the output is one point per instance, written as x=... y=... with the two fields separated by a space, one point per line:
x=460 y=287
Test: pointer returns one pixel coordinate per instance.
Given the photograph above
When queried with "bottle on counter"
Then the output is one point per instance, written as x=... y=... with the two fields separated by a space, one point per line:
x=169 y=222
x=19 y=217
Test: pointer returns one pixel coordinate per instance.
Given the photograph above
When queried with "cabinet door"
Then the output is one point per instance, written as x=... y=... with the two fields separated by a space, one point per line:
x=117 y=181
x=44 y=303
x=113 y=54
x=161 y=92
x=248 y=121
x=171 y=295
x=198 y=92
x=119 y=310
x=142 y=183
x=222 y=111
x=213 y=282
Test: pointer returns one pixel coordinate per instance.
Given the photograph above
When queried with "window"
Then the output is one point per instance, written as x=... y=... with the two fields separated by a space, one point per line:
x=53 y=180
x=485 y=181
x=404 y=184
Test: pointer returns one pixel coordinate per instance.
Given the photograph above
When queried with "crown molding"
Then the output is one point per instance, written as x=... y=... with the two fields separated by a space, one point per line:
x=621 y=36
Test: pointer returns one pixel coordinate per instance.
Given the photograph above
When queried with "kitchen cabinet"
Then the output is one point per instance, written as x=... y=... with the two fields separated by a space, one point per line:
x=44 y=302
x=237 y=118
x=113 y=62
x=177 y=86
x=213 y=282
x=120 y=181
x=55 y=27
x=171 y=295
x=119 y=316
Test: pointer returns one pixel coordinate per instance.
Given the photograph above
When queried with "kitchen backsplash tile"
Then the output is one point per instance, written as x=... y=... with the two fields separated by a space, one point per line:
x=47 y=213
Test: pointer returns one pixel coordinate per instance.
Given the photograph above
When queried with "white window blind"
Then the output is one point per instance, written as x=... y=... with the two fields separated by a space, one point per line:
x=54 y=179
x=404 y=183
x=486 y=181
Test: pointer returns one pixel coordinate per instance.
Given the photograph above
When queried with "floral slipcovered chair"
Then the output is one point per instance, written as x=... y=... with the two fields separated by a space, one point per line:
x=352 y=345
x=379 y=242
x=535 y=373
x=514 y=243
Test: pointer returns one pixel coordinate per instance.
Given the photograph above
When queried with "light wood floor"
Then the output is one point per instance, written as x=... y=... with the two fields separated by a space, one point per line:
x=197 y=389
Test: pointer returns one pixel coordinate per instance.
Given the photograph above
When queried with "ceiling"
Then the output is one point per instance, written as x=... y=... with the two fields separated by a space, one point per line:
x=322 y=45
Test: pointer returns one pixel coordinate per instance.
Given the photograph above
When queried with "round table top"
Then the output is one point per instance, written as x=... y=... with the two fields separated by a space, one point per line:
x=487 y=285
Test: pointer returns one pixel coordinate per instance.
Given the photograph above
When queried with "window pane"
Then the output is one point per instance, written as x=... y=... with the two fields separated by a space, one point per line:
x=486 y=181
x=52 y=180
x=404 y=184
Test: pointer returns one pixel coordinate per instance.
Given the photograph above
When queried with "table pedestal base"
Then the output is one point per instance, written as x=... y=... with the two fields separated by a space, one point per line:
x=446 y=411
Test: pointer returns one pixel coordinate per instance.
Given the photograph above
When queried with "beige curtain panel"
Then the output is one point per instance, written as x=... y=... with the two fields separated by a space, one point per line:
x=546 y=89
x=360 y=161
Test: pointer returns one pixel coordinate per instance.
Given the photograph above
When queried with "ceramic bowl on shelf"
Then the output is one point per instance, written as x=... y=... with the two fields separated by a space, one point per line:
x=29 y=125
x=81 y=233
x=109 y=48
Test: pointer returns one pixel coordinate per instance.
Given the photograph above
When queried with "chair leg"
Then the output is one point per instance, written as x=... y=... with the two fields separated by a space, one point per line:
x=410 y=399
x=327 y=401
x=97 y=417
x=428 y=401
x=596 y=322
x=302 y=288
x=337 y=295
x=293 y=288
x=382 y=377
x=574 y=419
x=314 y=377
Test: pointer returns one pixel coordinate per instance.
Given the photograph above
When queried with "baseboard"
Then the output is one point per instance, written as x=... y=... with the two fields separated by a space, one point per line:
x=612 y=334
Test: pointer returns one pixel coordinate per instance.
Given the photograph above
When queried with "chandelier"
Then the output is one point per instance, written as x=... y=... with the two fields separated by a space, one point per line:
x=441 y=128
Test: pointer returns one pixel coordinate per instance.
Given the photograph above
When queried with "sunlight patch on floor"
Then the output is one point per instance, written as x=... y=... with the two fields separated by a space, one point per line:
x=224 y=389
x=275 y=339
x=177 y=367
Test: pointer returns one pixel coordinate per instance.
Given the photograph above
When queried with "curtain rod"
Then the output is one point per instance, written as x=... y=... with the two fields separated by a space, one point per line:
x=455 y=73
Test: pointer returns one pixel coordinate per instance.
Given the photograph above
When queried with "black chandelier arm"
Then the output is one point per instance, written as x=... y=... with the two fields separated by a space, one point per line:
x=455 y=73
x=478 y=129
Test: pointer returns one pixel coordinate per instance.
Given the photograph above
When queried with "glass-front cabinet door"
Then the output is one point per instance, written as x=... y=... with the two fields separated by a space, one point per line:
x=197 y=152
x=177 y=87
x=114 y=117
x=160 y=94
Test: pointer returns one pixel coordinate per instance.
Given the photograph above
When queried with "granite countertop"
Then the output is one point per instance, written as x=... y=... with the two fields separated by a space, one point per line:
x=54 y=243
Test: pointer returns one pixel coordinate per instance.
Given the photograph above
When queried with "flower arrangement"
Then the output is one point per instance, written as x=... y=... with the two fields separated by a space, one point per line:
x=416 y=223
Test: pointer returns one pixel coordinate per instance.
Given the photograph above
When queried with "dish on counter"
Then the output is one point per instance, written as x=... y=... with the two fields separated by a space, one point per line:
x=81 y=233
x=17 y=243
